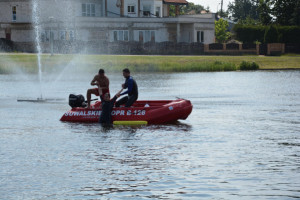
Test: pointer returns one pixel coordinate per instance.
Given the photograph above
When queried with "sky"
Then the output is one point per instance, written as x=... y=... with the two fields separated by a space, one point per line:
x=213 y=4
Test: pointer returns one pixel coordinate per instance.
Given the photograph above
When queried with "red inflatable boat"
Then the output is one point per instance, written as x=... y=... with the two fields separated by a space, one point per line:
x=151 y=112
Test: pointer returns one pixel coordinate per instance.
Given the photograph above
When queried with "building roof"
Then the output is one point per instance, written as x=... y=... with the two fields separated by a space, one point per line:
x=177 y=2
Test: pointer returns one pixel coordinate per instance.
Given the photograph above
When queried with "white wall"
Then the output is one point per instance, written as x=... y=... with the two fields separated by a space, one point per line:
x=209 y=32
x=160 y=5
x=209 y=36
x=2 y=34
x=68 y=16
x=22 y=36
x=131 y=3
x=165 y=10
x=186 y=33
x=83 y=35
x=153 y=4
x=23 y=11
x=162 y=35
x=111 y=6
x=60 y=11
x=66 y=10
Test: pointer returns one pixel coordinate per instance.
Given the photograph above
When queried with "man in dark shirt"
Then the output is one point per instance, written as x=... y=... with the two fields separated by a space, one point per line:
x=132 y=90
x=107 y=106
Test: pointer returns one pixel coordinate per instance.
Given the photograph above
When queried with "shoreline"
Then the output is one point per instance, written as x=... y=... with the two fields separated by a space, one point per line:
x=153 y=63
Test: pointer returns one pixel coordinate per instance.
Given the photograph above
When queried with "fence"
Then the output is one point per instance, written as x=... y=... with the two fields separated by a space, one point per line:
x=231 y=48
x=151 y=48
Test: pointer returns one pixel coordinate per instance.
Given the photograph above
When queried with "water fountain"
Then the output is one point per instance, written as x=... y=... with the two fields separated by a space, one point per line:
x=36 y=21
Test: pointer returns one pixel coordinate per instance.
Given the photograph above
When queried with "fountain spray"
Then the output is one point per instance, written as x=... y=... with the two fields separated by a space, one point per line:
x=36 y=23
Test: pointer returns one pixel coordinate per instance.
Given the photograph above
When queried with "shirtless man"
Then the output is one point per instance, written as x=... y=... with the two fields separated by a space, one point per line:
x=102 y=83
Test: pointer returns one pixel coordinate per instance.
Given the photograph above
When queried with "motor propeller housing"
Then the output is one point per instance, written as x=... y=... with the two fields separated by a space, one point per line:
x=77 y=100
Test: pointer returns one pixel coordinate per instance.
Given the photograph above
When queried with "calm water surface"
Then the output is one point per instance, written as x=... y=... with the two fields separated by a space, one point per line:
x=242 y=140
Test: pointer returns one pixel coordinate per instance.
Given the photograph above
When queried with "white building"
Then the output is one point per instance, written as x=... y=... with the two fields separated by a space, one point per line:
x=103 y=20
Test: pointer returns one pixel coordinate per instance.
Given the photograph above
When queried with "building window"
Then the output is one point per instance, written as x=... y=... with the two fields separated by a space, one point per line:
x=147 y=36
x=141 y=36
x=146 y=10
x=152 y=36
x=121 y=35
x=200 y=36
x=126 y=35
x=14 y=13
x=45 y=36
x=88 y=10
x=66 y=35
x=72 y=35
x=115 y=35
x=131 y=9
x=157 y=12
x=83 y=8
x=62 y=35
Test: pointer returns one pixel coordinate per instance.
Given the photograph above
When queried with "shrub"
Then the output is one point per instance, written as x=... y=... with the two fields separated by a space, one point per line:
x=249 y=66
x=289 y=34
x=249 y=34
x=271 y=35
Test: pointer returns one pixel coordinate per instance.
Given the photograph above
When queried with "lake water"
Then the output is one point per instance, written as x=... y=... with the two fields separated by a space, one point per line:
x=241 y=141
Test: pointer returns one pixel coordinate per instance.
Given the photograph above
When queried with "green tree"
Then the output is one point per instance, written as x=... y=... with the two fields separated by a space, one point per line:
x=264 y=9
x=295 y=20
x=224 y=14
x=241 y=9
x=192 y=8
x=221 y=27
x=249 y=21
x=172 y=11
x=285 y=12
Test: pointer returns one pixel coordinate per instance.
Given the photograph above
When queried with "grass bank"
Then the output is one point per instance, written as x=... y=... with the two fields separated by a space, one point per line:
x=9 y=63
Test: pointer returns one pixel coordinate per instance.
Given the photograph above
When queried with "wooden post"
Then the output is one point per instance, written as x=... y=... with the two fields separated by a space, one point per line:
x=122 y=8
x=206 y=47
x=177 y=10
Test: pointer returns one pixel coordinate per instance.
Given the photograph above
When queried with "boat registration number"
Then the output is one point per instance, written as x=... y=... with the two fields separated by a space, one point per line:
x=136 y=112
x=128 y=112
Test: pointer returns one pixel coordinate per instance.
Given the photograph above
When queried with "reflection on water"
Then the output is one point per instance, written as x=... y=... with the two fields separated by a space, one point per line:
x=240 y=142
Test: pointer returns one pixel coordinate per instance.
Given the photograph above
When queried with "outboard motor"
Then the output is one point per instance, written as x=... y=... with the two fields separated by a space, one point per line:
x=76 y=100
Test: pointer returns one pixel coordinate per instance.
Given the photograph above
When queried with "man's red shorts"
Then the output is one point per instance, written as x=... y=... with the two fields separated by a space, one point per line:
x=96 y=91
